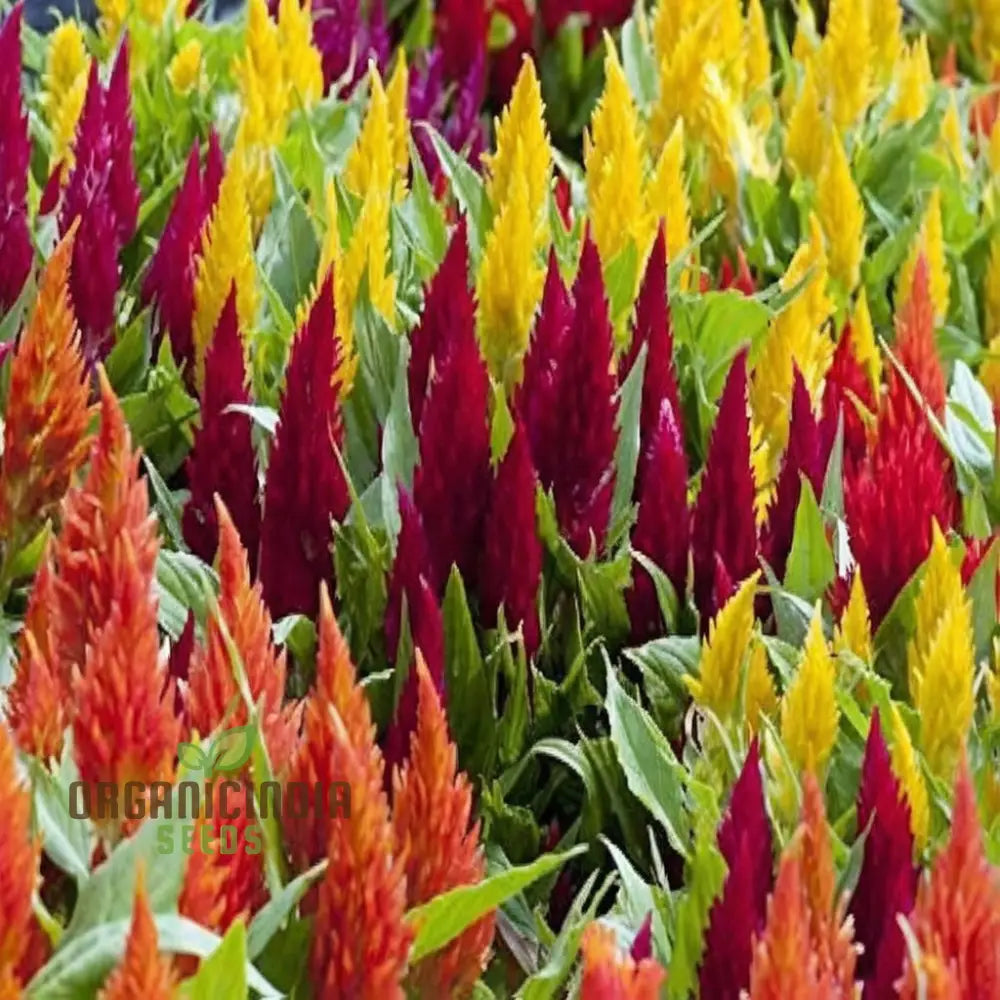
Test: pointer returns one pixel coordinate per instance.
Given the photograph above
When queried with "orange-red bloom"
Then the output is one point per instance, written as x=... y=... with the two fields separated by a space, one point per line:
x=143 y=973
x=432 y=806
x=610 y=975
x=45 y=430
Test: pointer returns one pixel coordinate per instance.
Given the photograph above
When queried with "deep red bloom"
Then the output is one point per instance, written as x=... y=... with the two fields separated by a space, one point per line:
x=642 y=943
x=169 y=282
x=887 y=882
x=724 y=525
x=306 y=489
x=511 y=567
x=739 y=278
x=222 y=461
x=460 y=29
x=15 y=152
x=847 y=389
x=348 y=36
x=449 y=315
x=662 y=531
x=451 y=482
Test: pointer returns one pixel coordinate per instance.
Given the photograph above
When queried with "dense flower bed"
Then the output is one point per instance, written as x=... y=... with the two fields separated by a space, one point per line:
x=437 y=565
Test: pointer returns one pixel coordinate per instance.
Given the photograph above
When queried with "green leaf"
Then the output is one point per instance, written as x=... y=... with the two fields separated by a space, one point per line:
x=443 y=918
x=810 y=563
x=223 y=974
x=653 y=773
x=167 y=506
x=627 y=448
x=982 y=593
x=184 y=583
x=639 y=62
x=620 y=281
x=274 y=913
x=67 y=841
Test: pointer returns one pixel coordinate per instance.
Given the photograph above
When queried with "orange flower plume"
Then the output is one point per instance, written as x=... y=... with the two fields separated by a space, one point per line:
x=957 y=917
x=608 y=974
x=337 y=690
x=213 y=695
x=45 y=430
x=18 y=868
x=143 y=973
x=432 y=805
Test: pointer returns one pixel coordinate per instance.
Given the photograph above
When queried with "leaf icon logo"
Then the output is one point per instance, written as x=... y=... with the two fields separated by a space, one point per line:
x=232 y=748
x=192 y=756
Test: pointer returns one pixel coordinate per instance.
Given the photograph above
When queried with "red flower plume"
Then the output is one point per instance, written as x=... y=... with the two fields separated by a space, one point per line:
x=847 y=389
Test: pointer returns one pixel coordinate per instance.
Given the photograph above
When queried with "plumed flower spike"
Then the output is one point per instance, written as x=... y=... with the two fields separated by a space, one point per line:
x=911 y=777
x=847 y=49
x=370 y=162
x=434 y=832
x=929 y=243
x=511 y=568
x=957 y=917
x=724 y=524
x=303 y=63
x=19 y=871
x=142 y=972
x=45 y=425
x=888 y=879
x=222 y=461
x=843 y=217
x=854 y=631
x=667 y=197
x=15 y=241
x=608 y=974
x=67 y=68
x=297 y=530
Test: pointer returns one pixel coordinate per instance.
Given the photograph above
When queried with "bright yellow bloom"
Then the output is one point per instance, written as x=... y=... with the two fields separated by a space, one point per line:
x=806 y=135
x=67 y=68
x=911 y=780
x=112 y=18
x=262 y=66
x=885 y=19
x=993 y=683
x=809 y=713
x=842 y=214
x=848 y=55
x=991 y=288
x=185 y=67
x=912 y=83
x=941 y=660
x=303 y=64
x=521 y=126
x=951 y=141
x=227 y=257
x=763 y=475
x=399 y=122
x=681 y=79
x=761 y=695
x=613 y=158
x=993 y=152
x=723 y=131
x=989 y=370
x=667 y=198
x=986 y=32
x=807 y=52
x=509 y=284
x=370 y=161
x=854 y=633
x=930 y=242
x=727 y=44
x=729 y=634
x=671 y=20
x=758 y=65
x=152 y=11
x=863 y=339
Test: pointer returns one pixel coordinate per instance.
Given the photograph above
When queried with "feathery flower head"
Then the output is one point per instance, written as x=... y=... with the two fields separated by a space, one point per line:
x=809 y=712
x=667 y=199
x=864 y=347
x=297 y=528
x=723 y=524
x=222 y=461
x=913 y=81
x=184 y=71
x=434 y=832
x=67 y=70
x=928 y=243
x=806 y=132
x=911 y=778
x=45 y=438
x=396 y=93
x=951 y=141
x=370 y=162
x=854 y=631
x=842 y=215
x=226 y=258
x=670 y=21
x=885 y=22
x=681 y=78
x=303 y=65
x=260 y=73
x=848 y=53
x=761 y=694
x=609 y=974
x=757 y=46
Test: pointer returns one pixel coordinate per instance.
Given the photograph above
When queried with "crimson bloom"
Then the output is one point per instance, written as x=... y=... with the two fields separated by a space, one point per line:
x=848 y=390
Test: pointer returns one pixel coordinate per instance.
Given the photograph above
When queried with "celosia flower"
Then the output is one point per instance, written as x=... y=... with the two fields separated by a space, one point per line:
x=721 y=668
x=885 y=23
x=806 y=132
x=222 y=461
x=666 y=196
x=610 y=975
x=170 y=279
x=19 y=872
x=45 y=436
x=15 y=242
x=848 y=392
x=242 y=619
x=142 y=971
x=510 y=571
x=847 y=51
x=350 y=34
x=303 y=65
x=723 y=524
x=842 y=215
x=928 y=243
x=297 y=529
x=737 y=916
x=761 y=695
x=911 y=779
x=184 y=70
x=360 y=940
x=370 y=162
x=460 y=29
x=809 y=712
x=913 y=81
x=680 y=64
x=260 y=74
x=448 y=312
x=434 y=832
x=985 y=34
x=226 y=258
x=887 y=881
x=758 y=64
x=854 y=631
x=337 y=691
x=663 y=527
x=66 y=73
x=951 y=141
x=957 y=916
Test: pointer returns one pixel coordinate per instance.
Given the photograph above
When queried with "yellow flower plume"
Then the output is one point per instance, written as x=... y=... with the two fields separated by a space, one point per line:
x=758 y=65
x=370 y=161
x=67 y=68
x=399 y=122
x=848 y=60
x=885 y=19
x=863 y=339
x=185 y=68
x=303 y=64
x=842 y=214
x=806 y=134
x=854 y=633
x=930 y=242
x=667 y=199
x=907 y=770
x=912 y=83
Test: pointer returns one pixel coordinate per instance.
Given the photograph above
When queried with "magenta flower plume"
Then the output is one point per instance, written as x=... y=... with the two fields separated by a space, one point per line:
x=449 y=314
x=347 y=37
x=587 y=408
x=724 y=524
x=652 y=327
x=805 y=456
x=739 y=914
x=451 y=483
x=662 y=530
x=642 y=943
x=460 y=28
x=169 y=282
x=511 y=567
x=887 y=883
x=306 y=490
x=222 y=461
x=411 y=567
x=849 y=391
x=15 y=153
